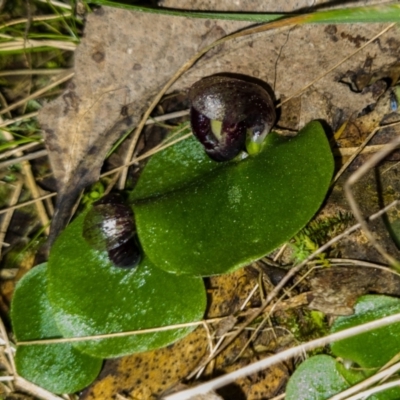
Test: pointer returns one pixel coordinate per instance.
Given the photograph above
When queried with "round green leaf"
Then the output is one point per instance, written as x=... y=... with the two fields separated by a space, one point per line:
x=375 y=348
x=215 y=218
x=317 y=378
x=90 y=296
x=59 y=368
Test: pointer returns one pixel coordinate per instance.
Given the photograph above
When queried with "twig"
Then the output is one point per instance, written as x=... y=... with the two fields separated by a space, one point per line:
x=29 y=202
x=5 y=222
x=34 y=19
x=377 y=389
x=367 y=382
x=37 y=93
x=26 y=157
x=165 y=117
x=17 y=119
x=57 y=4
x=35 y=390
x=52 y=71
x=350 y=151
x=353 y=204
x=116 y=334
x=360 y=148
x=17 y=149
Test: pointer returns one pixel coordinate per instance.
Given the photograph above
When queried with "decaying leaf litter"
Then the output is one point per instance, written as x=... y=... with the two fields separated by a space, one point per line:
x=242 y=69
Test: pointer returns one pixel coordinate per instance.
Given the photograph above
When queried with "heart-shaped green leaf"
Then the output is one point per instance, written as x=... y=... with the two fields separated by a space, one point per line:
x=90 y=296
x=199 y=217
x=375 y=348
x=59 y=368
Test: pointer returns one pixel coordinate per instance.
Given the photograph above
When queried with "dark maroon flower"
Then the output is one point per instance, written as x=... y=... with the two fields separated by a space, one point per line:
x=229 y=115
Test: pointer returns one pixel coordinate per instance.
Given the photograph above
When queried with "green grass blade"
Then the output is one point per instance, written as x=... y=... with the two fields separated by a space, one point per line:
x=381 y=13
x=384 y=13
x=255 y=17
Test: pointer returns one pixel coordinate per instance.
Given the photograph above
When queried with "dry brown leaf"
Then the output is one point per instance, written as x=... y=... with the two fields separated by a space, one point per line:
x=336 y=289
x=263 y=385
x=144 y=376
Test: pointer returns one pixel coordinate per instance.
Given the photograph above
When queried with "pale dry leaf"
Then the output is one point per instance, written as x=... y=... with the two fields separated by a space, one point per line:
x=288 y=59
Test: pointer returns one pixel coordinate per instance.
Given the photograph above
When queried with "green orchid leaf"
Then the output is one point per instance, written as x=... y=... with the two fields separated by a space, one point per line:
x=375 y=348
x=59 y=368
x=195 y=216
x=173 y=168
x=317 y=378
x=90 y=296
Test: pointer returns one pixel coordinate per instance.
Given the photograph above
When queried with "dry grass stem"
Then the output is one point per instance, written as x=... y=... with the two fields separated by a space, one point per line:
x=9 y=351
x=280 y=397
x=22 y=44
x=248 y=298
x=359 y=150
x=166 y=117
x=18 y=149
x=57 y=4
x=349 y=261
x=367 y=382
x=30 y=182
x=294 y=302
x=280 y=252
x=117 y=334
x=350 y=151
x=23 y=72
x=34 y=390
x=51 y=17
x=373 y=161
x=37 y=93
x=377 y=389
x=146 y=155
x=5 y=221
x=33 y=188
x=17 y=119
x=26 y=157
x=281 y=357
x=27 y=203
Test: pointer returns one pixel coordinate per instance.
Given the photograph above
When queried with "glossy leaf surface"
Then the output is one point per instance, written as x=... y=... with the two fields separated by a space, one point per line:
x=317 y=378
x=197 y=217
x=59 y=368
x=90 y=296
